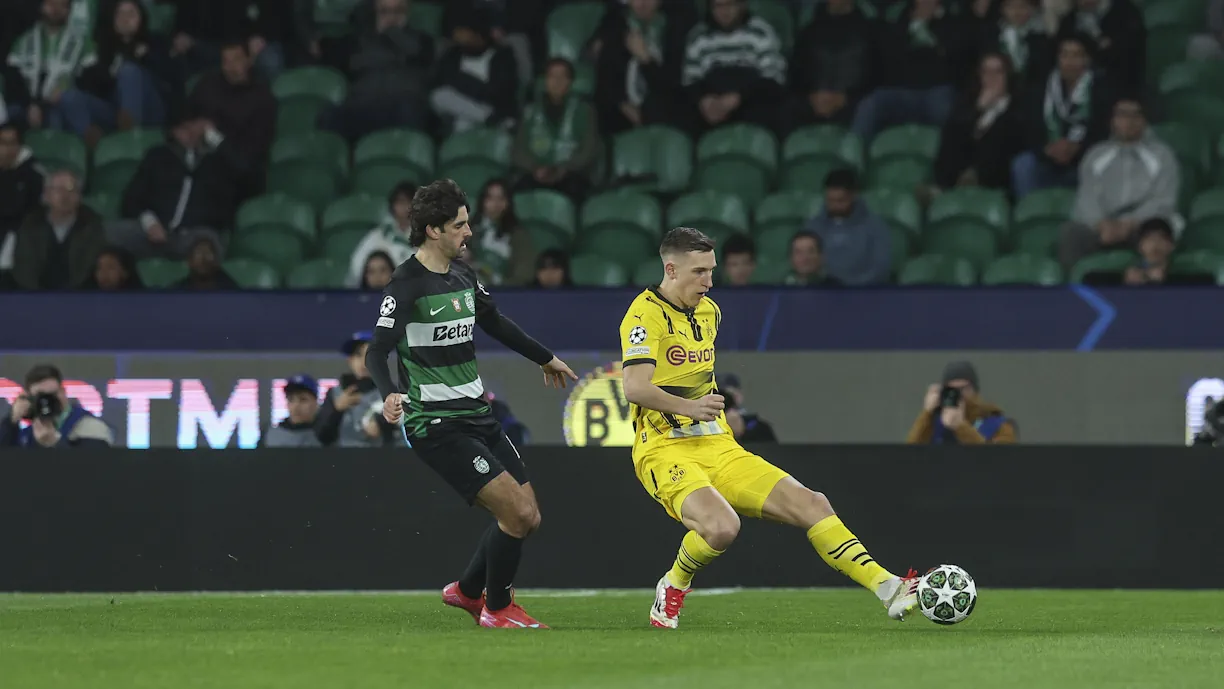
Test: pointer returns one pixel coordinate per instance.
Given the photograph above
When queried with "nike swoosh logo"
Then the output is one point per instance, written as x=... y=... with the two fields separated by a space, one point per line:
x=434 y=312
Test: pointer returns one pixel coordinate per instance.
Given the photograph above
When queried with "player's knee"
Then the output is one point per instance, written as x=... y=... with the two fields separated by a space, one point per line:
x=521 y=520
x=817 y=506
x=721 y=532
x=533 y=523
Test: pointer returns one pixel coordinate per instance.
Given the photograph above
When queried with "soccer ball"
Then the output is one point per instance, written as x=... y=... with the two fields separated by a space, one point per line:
x=946 y=594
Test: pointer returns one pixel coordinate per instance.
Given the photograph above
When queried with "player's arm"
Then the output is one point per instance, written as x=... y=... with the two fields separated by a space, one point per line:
x=640 y=336
x=393 y=313
x=492 y=321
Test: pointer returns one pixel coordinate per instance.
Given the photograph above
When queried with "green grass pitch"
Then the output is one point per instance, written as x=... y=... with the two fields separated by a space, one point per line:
x=737 y=640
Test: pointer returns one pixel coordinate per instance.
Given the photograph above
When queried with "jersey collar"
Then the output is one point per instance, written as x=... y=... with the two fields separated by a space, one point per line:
x=655 y=291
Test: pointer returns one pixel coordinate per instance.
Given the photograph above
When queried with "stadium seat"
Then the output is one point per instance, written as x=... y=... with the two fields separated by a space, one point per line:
x=379 y=178
x=1044 y=206
x=547 y=210
x=307 y=182
x=543 y=239
x=297 y=115
x=479 y=144
x=906 y=141
x=808 y=175
x=1104 y=262
x=321 y=273
x=473 y=175
x=1166 y=46
x=104 y=203
x=354 y=212
x=628 y=249
x=334 y=17
x=737 y=158
x=1038 y=238
x=899 y=208
x=58 y=150
x=736 y=177
x=774 y=242
x=251 y=274
x=277 y=212
x=317 y=83
x=339 y=246
x=1203 y=235
x=770 y=271
x=986 y=205
x=1201 y=263
x=160 y=272
x=965 y=238
x=902 y=246
x=404 y=146
x=1193 y=76
x=654 y=158
x=1191 y=182
x=903 y=174
x=1202 y=110
x=709 y=210
x=272 y=246
x=118 y=156
x=1207 y=204
x=823 y=142
x=570 y=26
x=316 y=147
x=1190 y=144
x=779 y=17
x=625 y=211
x=937 y=270
x=161 y=19
x=596 y=271
x=426 y=17
x=649 y=272
x=1174 y=14
x=787 y=209
x=1023 y=269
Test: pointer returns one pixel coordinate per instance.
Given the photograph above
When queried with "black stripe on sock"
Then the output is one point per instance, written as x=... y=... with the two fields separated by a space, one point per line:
x=843 y=545
x=866 y=562
x=695 y=565
x=842 y=551
x=856 y=557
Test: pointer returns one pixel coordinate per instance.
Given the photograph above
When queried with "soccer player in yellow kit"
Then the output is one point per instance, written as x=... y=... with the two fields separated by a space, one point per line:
x=685 y=454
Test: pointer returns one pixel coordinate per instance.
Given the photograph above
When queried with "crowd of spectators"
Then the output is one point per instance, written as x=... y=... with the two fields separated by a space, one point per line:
x=1027 y=96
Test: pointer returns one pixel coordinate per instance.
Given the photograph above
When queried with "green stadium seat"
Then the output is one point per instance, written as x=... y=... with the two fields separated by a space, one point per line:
x=161 y=18
x=902 y=246
x=307 y=182
x=1201 y=263
x=570 y=26
x=628 y=249
x=787 y=209
x=774 y=242
x=737 y=158
x=1190 y=145
x=543 y=239
x=118 y=155
x=315 y=147
x=653 y=158
x=277 y=212
x=649 y=272
x=354 y=212
x=339 y=246
x=1105 y=262
x=318 y=83
x=735 y=177
x=404 y=146
x=903 y=174
x=1195 y=76
x=1038 y=238
x=906 y=141
x=965 y=238
x=1023 y=269
x=334 y=17
x=1207 y=204
x=709 y=212
x=1206 y=234
x=1191 y=182
x=898 y=207
x=770 y=271
x=1202 y=110
x=1044 y=206
x=779 y=17
x=104 y=203
x=473 y=175
x=823 y=142
x=379 y=178
x=252 y=274
x=479 y=144
x=272 y=246
x=297 y=115
x=625 y=211
x=160 y=273
x=808 y=175
x=1175 y=13
x=321 y=273
x=58 y=150
x=1166 y=46
x=989 y=206
x=547 y=210
x=426 y=17
x=596 y=271
x=937 y=270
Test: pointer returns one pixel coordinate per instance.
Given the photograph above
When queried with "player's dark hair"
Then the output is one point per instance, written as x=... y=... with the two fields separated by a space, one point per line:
x=739 y=244
x=804 y=234
x=43 y=372
x=841 y=178
x=434 y=205
x=681 y=240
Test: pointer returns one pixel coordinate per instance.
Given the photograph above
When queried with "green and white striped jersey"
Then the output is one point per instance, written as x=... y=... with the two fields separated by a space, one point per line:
x=429 y=320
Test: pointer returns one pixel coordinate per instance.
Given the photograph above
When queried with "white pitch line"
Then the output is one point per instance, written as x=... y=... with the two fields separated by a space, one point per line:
x=535 y=593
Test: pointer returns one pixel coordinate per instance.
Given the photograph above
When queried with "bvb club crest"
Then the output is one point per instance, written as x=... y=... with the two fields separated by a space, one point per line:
x=677 y=472
x=455 y=303
x=470 y=300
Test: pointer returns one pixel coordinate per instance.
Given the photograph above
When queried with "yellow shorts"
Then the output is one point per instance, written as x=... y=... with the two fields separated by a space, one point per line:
x=671 y=469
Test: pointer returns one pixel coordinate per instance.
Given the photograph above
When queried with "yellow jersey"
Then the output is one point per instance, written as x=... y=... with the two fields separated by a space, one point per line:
x=680 y=343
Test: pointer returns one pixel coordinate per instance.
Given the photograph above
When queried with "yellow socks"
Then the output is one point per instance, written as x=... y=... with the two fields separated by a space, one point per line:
x=694 y=554
x=843 y=552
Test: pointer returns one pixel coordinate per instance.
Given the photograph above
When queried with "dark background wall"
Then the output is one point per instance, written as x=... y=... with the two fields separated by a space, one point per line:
x=233 y=520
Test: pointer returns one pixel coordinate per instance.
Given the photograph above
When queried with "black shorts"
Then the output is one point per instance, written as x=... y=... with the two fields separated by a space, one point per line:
x=469 y=455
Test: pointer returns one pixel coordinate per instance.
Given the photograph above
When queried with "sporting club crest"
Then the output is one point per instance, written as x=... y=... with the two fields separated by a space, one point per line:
x=470 y=300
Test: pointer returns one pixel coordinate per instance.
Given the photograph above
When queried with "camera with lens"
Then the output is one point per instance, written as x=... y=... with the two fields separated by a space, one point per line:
x=1213 y=423
x=949 y=397
x=44 y=405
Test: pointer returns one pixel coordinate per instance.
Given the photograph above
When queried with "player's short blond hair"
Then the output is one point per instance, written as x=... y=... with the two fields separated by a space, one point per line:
x=681 y=240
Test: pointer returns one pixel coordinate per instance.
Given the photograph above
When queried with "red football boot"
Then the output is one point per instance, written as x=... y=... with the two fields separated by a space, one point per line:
x=510 y=617
x=452 y=596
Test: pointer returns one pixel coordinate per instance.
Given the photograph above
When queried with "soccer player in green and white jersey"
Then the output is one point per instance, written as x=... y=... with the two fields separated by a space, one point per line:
x=427 y=317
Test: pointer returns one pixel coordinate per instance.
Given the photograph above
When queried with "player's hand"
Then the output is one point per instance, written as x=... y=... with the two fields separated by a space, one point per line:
x=393 y=407
x=931 y=401
x=556 y=372
x=707 y=408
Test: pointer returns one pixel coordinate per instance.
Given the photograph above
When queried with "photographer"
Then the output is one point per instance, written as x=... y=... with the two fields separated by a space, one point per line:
x=747 y=426
x=55 y=421
x=953 y=413
x=352 y=414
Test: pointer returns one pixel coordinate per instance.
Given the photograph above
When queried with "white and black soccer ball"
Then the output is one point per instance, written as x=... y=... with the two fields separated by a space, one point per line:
x=947 y=594
x=637 y=335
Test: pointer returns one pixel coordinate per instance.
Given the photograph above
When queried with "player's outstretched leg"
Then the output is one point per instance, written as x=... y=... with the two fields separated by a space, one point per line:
x=713 y=526
x=468 y=592
x=517 y=515
x=791 y=503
